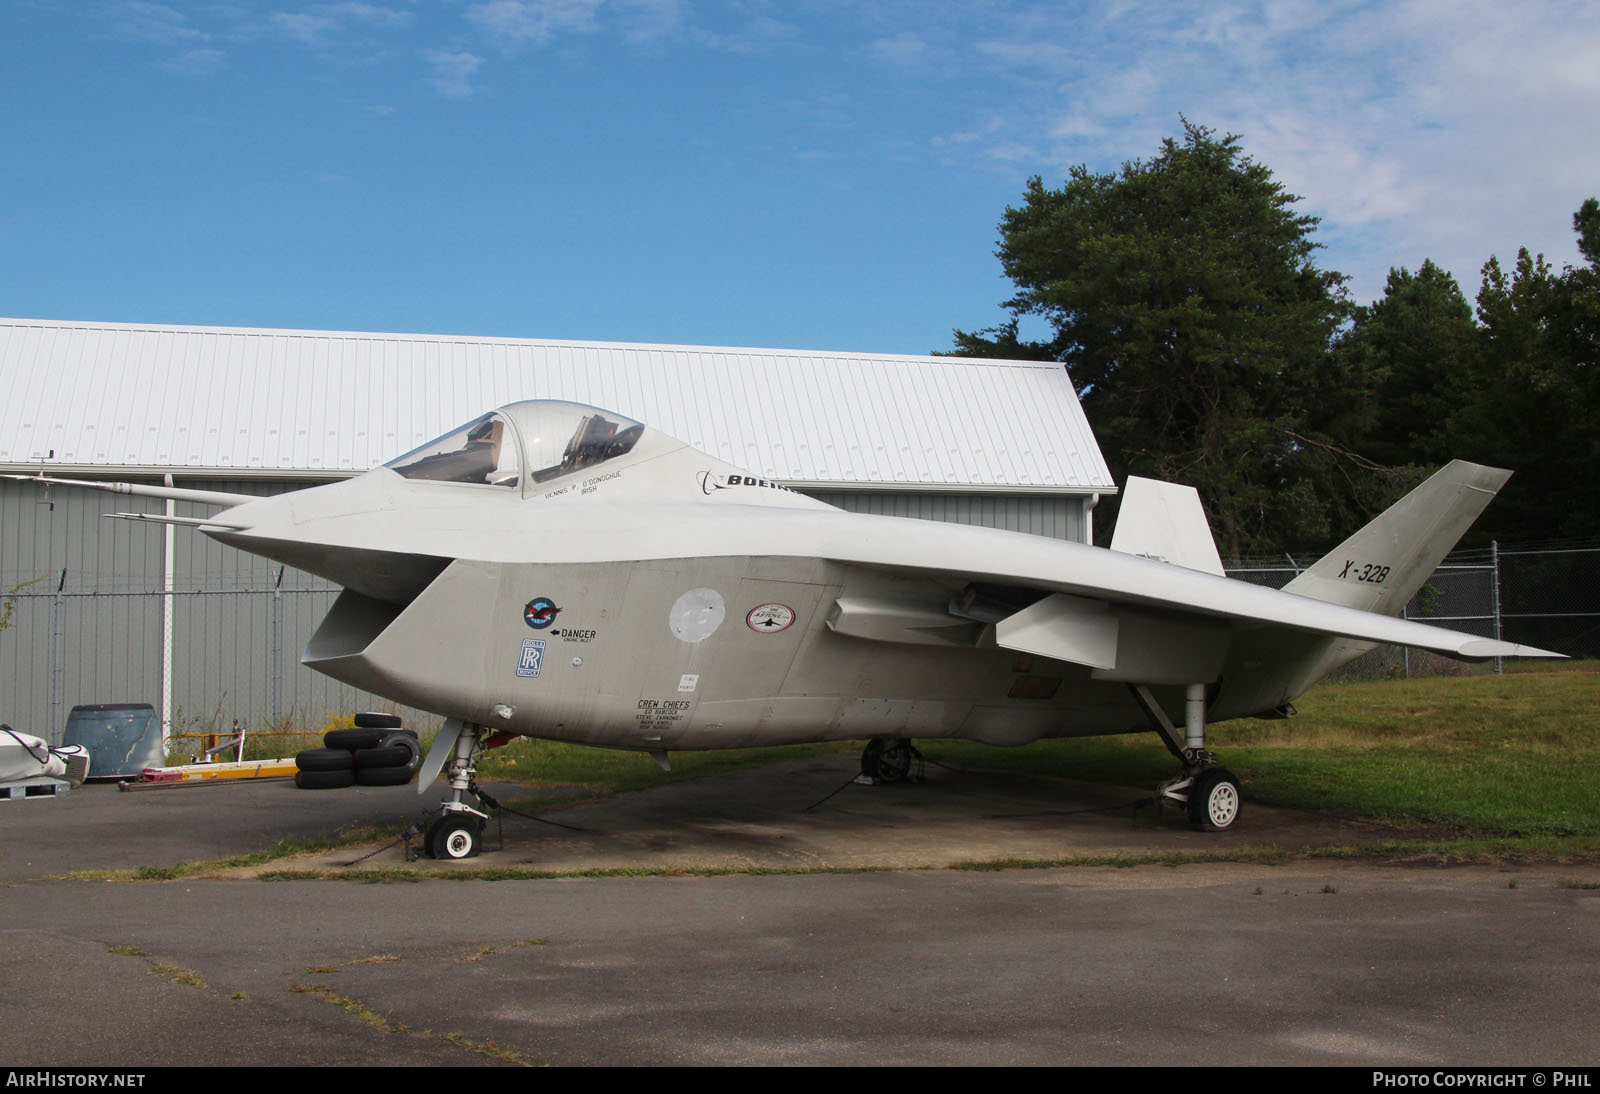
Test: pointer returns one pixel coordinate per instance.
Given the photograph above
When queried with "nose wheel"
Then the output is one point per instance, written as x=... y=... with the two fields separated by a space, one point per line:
x=457 y=832
x=455 y=836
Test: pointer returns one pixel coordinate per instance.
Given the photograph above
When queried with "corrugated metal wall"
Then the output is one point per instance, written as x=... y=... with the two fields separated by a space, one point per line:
x=105 y=617
x=1055 y=517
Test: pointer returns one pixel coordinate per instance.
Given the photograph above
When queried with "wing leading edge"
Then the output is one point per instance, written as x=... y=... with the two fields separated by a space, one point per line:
x=1131 y=615
x=1347 y=594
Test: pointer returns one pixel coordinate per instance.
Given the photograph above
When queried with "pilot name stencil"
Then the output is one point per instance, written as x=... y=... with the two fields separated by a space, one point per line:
x=589 y=486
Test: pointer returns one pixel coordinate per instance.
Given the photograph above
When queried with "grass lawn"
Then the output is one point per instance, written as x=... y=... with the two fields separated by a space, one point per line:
x=1509 y=756
x=1493 y=767
x=1516 y=755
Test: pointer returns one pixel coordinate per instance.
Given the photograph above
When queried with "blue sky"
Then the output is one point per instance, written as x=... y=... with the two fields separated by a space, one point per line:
x=809 y=174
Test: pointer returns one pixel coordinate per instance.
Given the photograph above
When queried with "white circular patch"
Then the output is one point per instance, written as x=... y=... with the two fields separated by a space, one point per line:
x=696 y=615
x=770 y=618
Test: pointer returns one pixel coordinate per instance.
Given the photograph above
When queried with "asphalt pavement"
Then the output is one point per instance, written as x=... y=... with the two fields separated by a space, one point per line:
x=887 y=950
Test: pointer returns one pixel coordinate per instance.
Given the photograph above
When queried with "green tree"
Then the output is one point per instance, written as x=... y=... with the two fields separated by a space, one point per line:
x=1586 y=222
x=1186 y=305
x=1417 y=346
x=1536 y=390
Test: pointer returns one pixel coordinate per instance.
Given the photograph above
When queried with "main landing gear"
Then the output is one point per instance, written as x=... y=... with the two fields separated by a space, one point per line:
x=1209 y=794
x=457 y=832
x=887 y=760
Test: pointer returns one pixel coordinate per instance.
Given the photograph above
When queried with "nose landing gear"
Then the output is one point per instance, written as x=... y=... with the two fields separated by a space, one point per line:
x=457 y=833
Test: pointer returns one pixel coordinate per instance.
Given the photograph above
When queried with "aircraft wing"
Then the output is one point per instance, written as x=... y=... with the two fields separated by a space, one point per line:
x=1095 y=600
x=1131 y=614
x=1096 y=596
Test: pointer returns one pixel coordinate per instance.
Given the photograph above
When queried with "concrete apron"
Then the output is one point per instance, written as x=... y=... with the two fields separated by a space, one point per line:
x=783 y=817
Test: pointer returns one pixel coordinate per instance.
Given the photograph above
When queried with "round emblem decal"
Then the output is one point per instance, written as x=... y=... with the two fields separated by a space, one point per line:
x=540 y=612
x=770 y=618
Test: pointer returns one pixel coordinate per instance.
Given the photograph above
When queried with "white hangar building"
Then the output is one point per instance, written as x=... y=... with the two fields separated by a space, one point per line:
x=112 y=611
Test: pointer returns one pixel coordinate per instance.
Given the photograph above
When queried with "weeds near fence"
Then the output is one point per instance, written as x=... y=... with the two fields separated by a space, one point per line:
x=268 y=740
x=8 y=601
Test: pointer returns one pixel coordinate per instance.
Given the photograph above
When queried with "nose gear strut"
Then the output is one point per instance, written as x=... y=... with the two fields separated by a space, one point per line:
x=457 y=832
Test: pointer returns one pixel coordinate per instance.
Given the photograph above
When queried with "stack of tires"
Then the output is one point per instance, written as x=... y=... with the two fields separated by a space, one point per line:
x=377 y=752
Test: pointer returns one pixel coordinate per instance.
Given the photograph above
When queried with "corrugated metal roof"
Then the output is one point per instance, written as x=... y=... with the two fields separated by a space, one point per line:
x=234 y=400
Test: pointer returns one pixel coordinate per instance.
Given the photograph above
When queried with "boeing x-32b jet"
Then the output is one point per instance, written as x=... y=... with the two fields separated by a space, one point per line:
x=555 y=570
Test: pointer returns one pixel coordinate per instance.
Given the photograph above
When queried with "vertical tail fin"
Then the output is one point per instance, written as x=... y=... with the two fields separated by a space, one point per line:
x=1165 y=521
x=1381 y=567
x=1378 y=569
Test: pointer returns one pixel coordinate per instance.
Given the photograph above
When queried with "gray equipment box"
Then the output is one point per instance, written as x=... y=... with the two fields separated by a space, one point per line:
x=122 y=738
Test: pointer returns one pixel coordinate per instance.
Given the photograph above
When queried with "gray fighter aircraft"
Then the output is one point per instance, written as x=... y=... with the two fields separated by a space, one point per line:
x=556 y=570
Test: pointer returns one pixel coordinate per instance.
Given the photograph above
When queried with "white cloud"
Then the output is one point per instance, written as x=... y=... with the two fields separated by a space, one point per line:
x=516 y=23
x=152 y=22
x=757 y=35
x=453 y=72
x=905 y=50
x=1414 y=129
x=372 y=14
x=317 y=25
x=650 y=22
x=305 y=27
x=199 y=61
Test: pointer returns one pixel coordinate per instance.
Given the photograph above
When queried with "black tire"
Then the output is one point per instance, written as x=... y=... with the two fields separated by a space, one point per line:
x=371 y=719
x=894 y=763
x=382 y=756
x=383 y=776
x=324 y=759
x=351 y=738
x=886 y=759
x=408 y=741
x=455 y=838
x=1214 y=800
x=324 y=780
x=869 y=757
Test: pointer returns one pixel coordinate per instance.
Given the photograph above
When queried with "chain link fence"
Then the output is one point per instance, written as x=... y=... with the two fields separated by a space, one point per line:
x=1547 y=597
x=235 y=658
x=235 y=654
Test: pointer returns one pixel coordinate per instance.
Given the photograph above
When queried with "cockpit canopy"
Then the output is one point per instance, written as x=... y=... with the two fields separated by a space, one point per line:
x=523 y=445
